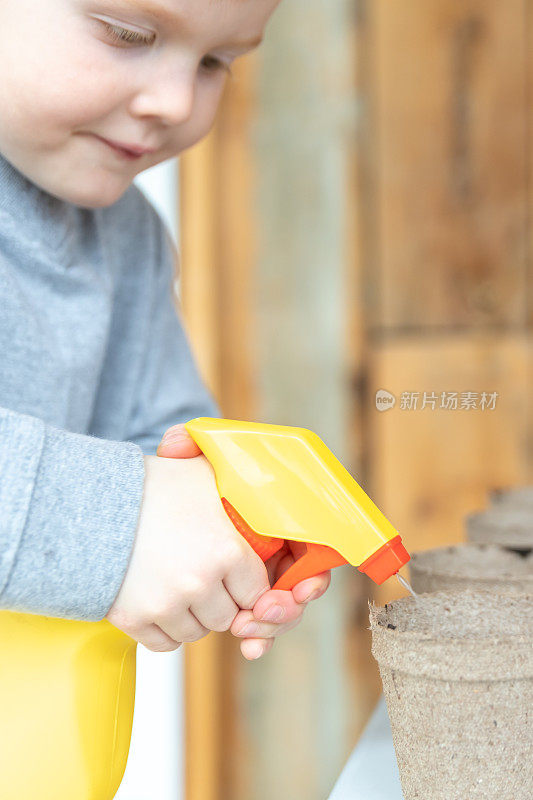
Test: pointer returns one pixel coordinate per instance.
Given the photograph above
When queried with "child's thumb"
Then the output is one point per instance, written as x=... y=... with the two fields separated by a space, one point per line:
x=177 y=443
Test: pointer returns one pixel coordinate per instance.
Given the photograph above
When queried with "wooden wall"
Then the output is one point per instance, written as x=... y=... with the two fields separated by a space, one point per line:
x=359 y=220
x=447 y=137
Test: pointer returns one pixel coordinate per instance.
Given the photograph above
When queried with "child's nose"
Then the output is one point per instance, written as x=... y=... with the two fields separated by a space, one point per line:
x=169 y=97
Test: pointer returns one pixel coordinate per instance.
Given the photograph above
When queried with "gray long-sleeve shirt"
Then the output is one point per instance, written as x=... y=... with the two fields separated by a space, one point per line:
x=94 y=366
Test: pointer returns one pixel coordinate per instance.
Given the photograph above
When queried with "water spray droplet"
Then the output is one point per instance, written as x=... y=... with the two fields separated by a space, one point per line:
x=406 y=584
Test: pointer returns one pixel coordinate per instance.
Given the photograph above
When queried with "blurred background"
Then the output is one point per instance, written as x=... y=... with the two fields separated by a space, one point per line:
x=359 y=220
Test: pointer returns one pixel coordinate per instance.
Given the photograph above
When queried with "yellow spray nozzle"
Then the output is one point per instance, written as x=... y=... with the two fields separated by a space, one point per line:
x=281 y=483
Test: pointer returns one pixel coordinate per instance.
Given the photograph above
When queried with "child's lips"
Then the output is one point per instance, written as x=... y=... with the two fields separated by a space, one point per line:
x=129 y=152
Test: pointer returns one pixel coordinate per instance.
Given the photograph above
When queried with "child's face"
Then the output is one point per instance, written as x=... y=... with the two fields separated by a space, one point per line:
x=74 y=70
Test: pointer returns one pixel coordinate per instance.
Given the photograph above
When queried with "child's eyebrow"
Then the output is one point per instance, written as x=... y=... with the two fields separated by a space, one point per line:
x=164 y=14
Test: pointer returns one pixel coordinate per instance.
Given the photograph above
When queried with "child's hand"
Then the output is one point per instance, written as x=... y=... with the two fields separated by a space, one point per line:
x=190 y=571
x=286 y=608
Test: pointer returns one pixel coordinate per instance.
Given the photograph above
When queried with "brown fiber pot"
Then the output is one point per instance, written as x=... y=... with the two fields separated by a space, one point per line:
x=516 y=497
x=457 y=672
x=502 y=524
x=475 y=566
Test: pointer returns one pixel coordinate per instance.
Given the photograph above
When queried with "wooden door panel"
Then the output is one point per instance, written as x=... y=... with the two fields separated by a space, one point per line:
x=447 y=87
x=431 y=466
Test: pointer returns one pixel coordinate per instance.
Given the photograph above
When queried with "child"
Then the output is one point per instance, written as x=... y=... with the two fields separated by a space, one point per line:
x=95 y=364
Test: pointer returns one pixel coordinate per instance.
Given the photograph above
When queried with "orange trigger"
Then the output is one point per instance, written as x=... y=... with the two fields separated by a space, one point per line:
x=318 y=558
x=264 y=546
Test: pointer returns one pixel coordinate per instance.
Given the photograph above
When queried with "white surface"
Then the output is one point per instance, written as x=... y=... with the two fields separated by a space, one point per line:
x=371 y=772
x=160 y=185
x=155 y=763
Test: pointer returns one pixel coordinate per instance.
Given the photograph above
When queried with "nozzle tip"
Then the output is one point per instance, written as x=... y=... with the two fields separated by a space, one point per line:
x=386 y=561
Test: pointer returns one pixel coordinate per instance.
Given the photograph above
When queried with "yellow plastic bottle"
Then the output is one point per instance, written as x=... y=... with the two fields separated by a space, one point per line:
x=67 y=687
x=67 y=691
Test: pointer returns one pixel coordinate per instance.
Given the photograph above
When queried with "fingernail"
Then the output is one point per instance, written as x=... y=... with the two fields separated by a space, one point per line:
x=251 y=629
x=273 y=614
x=258 y=649
x=312 y=596
x=173 y=436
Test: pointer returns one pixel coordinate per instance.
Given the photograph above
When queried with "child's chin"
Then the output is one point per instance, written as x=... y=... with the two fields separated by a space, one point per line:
x=86 y=196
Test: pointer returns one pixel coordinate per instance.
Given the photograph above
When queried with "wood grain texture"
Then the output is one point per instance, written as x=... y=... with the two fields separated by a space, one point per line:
x=203 y=719
x=333 y=245
x=199 y=275
x=218 y=241
x=432 y=466
x=236 y=254
x=528 y=35
x=448 y=89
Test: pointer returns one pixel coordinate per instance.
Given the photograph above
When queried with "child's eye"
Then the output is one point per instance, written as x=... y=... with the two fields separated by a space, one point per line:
x=209 y=64
x=212 y=64
x=118 y=34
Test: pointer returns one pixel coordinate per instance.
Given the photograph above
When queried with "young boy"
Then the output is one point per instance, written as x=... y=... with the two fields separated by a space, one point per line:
x=95 y=364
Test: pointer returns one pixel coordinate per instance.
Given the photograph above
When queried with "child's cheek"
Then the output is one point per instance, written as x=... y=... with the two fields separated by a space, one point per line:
x=56 y=86
x=207 y=99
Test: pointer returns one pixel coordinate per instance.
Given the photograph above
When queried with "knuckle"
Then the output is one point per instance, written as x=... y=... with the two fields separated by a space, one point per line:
x=222 y=624
x=163 y=610
x=218 y=627
x=193 y=587
x=194 y=634
x=174 y=602
x=162 y=647
x=248 y=600
x=253 y=595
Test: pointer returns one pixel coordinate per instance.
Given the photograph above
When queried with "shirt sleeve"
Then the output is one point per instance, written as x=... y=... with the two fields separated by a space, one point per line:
x=69 y=509
x=170 y=389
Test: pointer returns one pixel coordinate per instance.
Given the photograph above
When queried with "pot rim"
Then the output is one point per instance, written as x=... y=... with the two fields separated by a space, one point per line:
x=419 y=561
x=495 y=657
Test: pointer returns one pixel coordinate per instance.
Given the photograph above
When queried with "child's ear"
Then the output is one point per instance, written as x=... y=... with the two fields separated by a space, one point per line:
x=177 y=443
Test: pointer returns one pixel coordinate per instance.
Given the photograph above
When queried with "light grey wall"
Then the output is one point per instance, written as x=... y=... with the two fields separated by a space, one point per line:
x=303 y=136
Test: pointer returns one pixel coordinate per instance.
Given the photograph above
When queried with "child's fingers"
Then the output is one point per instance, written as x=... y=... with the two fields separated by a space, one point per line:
x=311 y=588
x=277 y=605
x=277 y=611
x=249 y=628
x=278 y=564
x=273 y=614
x=177 y=443
x=273 y=563
x=255 y=648
x=286 y=561
x=276 y=601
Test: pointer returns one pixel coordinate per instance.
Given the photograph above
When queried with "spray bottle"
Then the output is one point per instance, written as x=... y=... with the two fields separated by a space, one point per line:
x=67 y=687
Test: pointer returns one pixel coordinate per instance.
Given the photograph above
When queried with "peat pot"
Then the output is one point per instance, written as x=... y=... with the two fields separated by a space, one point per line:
x=502 y=524
x=475 y=566
x=457 y=672
x=515 y=497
